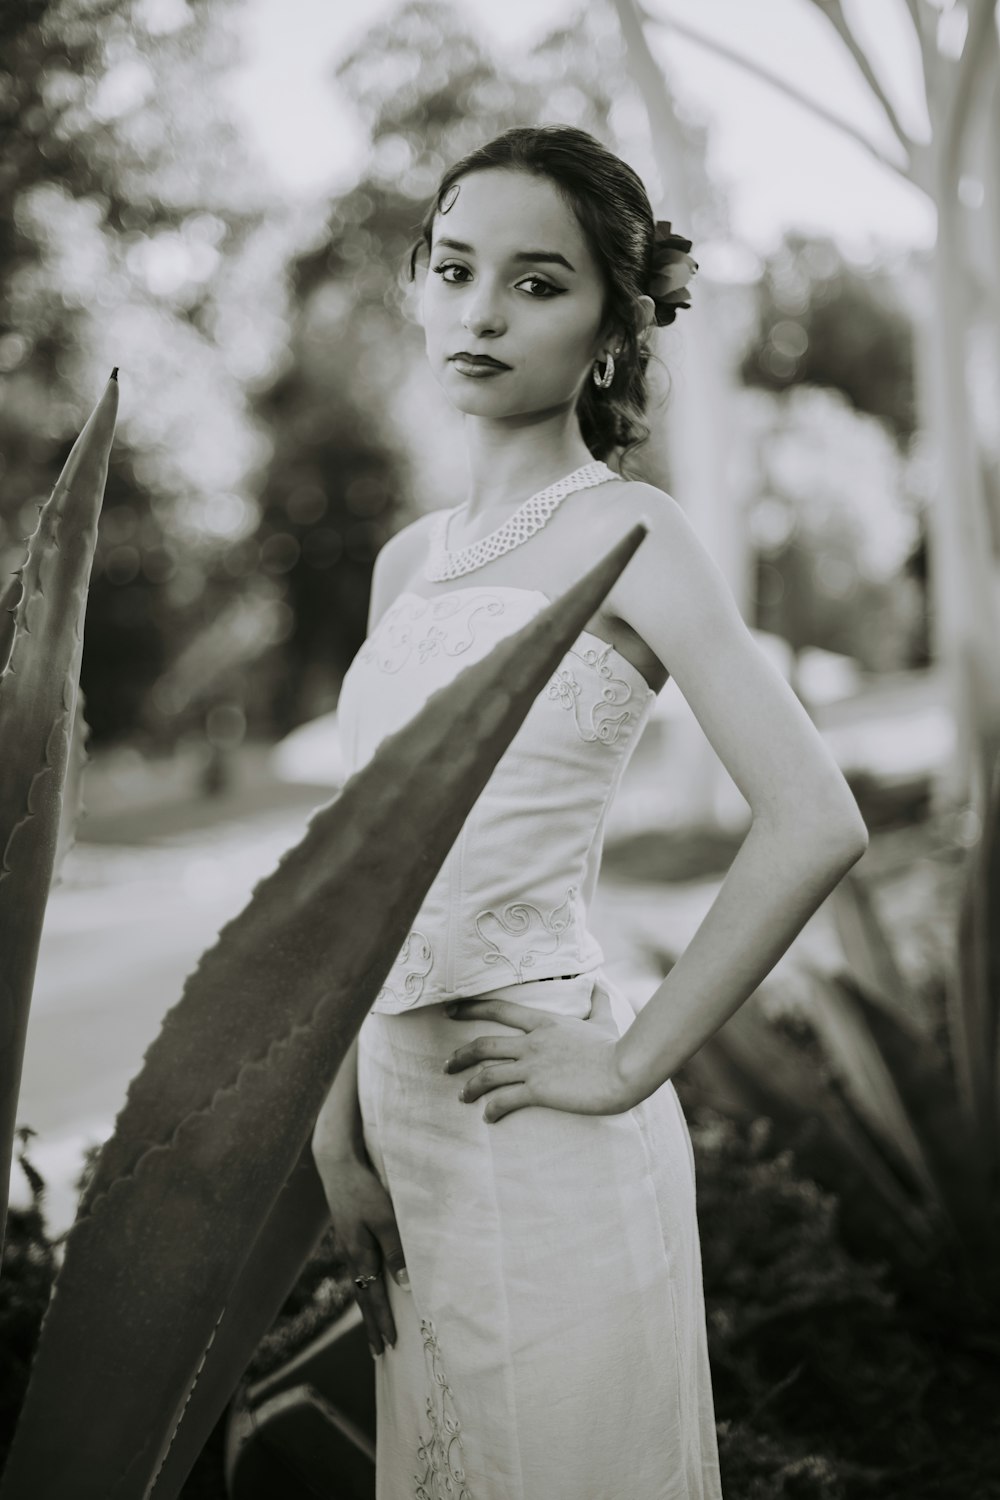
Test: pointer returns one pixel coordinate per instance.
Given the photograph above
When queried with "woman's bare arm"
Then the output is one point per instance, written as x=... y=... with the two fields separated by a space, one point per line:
x=338 y=1133
x=806 y=830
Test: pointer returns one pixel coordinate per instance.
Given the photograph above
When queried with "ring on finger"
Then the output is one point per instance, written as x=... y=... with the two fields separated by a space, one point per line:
x=363 y=1282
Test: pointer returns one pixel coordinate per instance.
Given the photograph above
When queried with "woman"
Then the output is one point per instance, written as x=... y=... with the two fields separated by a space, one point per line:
x=529 y=1269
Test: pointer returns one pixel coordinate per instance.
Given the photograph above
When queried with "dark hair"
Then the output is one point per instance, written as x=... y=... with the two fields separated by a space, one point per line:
x=614 y=212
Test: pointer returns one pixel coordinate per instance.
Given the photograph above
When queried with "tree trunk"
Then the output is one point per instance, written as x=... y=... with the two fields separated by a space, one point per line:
x=697 y=404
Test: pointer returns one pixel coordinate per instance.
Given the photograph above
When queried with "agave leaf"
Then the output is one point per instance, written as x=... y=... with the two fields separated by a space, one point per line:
x=335 y=1364
x=72 y=800
x=8 y=606
x=228 y=1094
x=287 y=1238
x=42 y=639
x=864 y=939
x=762 y=1066
x=921 y=1073
x=300 y=1444
x=775 y=1076
x=329 y=1361
x=838 y=1009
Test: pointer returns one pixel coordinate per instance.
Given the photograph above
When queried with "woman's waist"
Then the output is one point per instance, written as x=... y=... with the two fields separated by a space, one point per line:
x=459 y=945
x=442 y=962
x=428 y=1030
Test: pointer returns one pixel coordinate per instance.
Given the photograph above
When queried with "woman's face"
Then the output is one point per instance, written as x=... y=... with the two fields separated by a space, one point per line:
x=501 y=295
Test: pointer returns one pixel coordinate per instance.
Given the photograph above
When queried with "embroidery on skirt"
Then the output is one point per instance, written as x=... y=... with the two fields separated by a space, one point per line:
x=441 y=1453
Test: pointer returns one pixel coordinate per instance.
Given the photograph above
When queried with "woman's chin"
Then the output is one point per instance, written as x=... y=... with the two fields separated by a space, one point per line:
x=481 y=396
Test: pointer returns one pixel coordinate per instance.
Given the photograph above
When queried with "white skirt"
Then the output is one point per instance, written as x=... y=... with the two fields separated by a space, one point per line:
x=553 y=1341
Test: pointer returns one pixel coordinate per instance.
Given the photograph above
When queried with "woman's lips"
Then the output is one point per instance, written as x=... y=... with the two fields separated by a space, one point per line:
x=477 y=366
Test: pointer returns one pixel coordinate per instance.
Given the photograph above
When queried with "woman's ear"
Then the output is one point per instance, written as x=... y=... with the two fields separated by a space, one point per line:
x=648 y=312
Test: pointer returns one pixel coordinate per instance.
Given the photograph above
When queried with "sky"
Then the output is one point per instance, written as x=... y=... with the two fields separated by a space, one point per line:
x=780 y=166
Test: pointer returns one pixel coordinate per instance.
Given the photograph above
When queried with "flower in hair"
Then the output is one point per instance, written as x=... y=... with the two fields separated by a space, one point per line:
x=672 y=268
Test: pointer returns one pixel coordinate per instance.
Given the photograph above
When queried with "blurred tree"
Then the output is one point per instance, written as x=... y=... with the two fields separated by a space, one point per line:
x=811 y=592
x=957 y=49
x=834 y=524
x=132 y=232
x=333 y=485
x=691 y=461
x=823 y=321
x=690 y=458
x=42 y=72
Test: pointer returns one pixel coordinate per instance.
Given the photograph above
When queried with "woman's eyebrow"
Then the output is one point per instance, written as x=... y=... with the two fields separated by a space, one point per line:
x=549 y=255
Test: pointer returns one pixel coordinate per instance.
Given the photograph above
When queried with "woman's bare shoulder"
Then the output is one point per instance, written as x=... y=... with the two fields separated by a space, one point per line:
x=668 y=530
x=670 y=580
x=404 y=534
x=632 y=495
x=397 y=560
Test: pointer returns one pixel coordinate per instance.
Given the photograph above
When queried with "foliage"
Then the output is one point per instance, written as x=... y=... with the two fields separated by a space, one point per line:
x=894 y=1113
x=827 y=1380
x=29 y=1265
x=834 y=523
x=42 y=733
x=823 y=321
x=838 y=513
x=136 y=235
x=321 y=1293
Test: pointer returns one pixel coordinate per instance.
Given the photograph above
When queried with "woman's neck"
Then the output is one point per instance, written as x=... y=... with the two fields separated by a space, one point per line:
x=504 y=469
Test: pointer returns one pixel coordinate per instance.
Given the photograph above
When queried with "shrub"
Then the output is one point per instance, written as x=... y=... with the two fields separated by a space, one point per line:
x=828 y=1381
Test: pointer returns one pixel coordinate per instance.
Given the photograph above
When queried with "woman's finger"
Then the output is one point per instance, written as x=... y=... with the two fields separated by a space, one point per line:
x=365 y=1301
x=503 y=1101
x=372 y=1297
x=483 y=1047
x=377 y=1299
x=386 y=1231
x=601 y=1010
x=510 y=1012
x=492 y=1077
x=392 y=1253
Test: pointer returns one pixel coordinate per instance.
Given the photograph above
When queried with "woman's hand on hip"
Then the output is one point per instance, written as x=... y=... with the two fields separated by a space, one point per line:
x=563 y=1062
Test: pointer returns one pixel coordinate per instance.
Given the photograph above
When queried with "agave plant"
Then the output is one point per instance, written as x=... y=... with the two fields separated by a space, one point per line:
x=203 y=1205
x=308 y=1427
x=902 y=1123
x=42 y=732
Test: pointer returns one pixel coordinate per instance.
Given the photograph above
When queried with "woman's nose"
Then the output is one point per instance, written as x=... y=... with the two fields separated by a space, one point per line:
x=482 y=314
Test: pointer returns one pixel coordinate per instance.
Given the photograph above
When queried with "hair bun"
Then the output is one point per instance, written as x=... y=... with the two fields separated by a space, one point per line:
x=671 y=270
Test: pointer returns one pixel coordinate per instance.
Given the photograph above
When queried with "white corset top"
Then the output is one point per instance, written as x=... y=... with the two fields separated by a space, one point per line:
x=509 y=904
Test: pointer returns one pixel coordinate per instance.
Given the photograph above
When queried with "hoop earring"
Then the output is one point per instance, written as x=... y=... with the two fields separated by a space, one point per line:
x=603 y=381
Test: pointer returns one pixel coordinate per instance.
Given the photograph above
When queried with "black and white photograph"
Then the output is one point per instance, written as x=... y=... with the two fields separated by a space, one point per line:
x=500 y=749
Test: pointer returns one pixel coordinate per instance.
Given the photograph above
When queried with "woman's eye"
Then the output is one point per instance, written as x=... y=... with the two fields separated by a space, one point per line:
x=550 y=290
x=450 y=266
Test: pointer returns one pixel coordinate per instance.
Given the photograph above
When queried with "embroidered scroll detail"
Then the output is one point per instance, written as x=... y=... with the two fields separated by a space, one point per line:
x=418 y=949
x=430 y=627
x=594 y=721
x=533 y=934
x=441 y=1453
